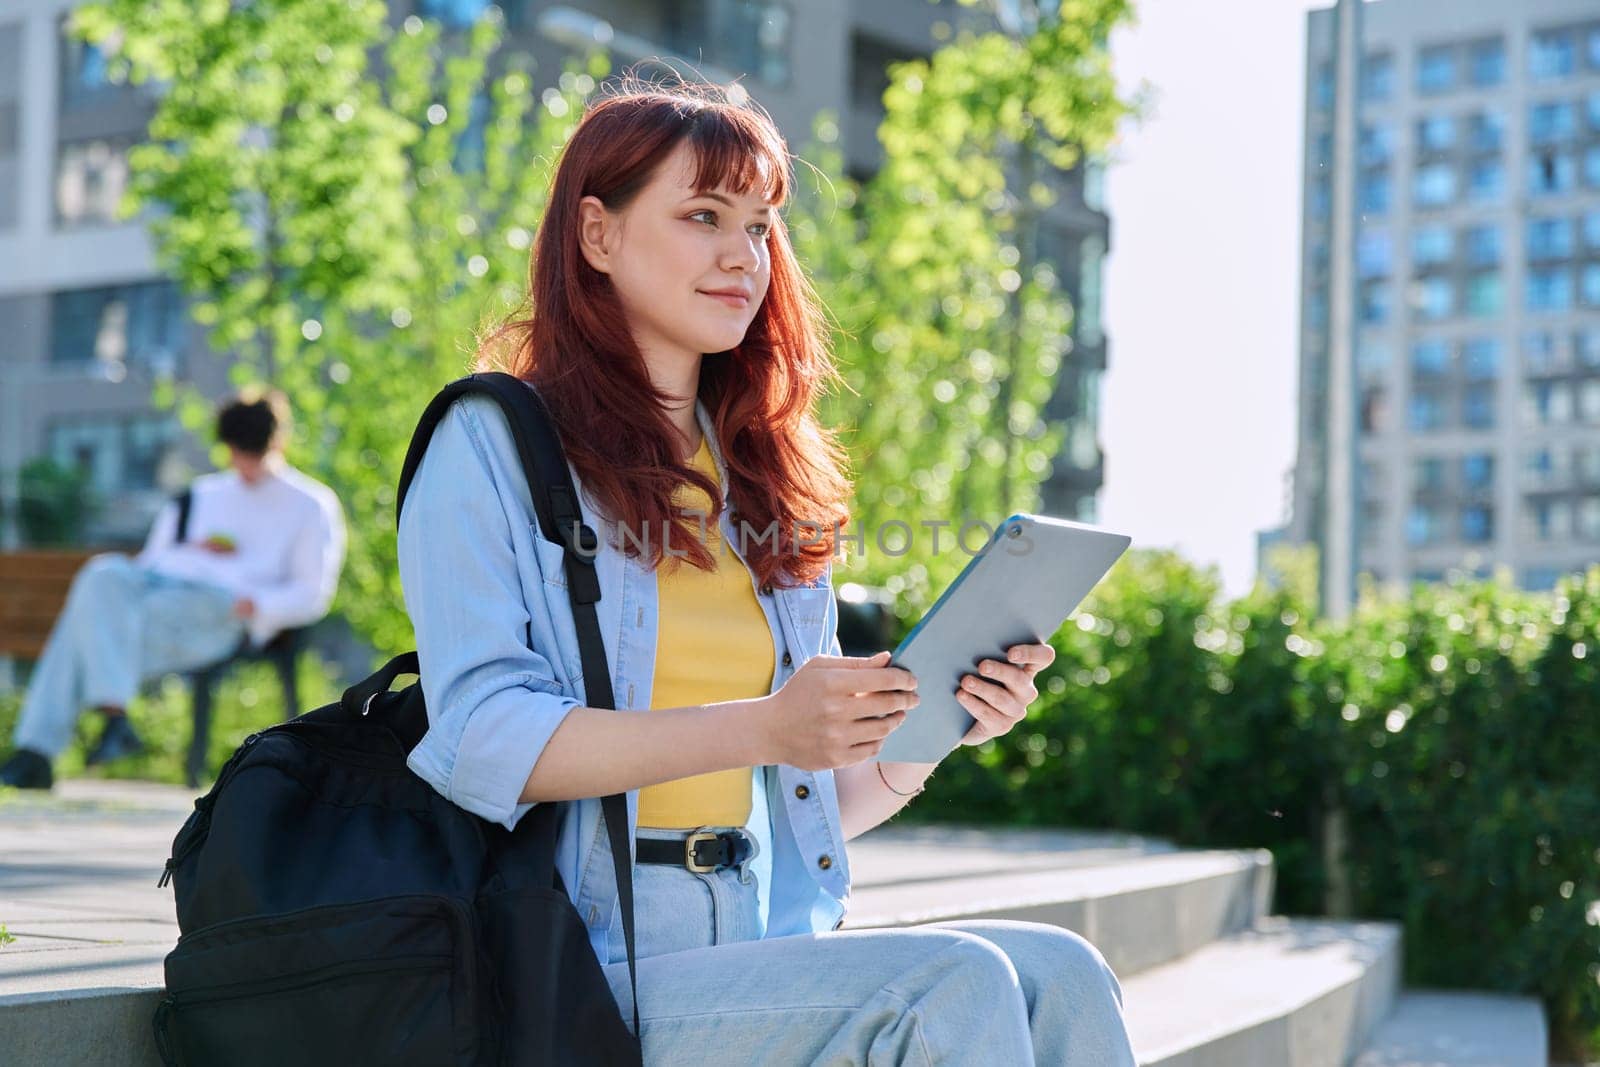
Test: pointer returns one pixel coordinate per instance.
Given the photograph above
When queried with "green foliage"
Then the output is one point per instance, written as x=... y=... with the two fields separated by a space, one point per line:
x=951 y=330
x=1455 y=731
x=247 y=700
x=345 y=235
x=54 y=502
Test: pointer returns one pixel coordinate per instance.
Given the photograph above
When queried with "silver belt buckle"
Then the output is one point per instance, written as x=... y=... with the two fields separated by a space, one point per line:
x=689 y=842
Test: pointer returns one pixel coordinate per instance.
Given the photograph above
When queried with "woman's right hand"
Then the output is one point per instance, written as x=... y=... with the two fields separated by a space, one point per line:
x=836 y=711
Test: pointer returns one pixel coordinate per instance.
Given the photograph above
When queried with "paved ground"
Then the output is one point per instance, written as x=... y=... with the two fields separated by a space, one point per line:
x=79 y=866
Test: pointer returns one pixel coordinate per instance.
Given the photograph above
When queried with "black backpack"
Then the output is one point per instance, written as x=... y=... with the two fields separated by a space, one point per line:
x=335 y=909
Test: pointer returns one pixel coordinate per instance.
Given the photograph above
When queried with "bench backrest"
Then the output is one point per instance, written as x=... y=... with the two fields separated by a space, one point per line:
x=33 y=587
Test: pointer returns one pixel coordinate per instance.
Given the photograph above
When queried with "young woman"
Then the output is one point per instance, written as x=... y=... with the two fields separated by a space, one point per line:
x=675 y=341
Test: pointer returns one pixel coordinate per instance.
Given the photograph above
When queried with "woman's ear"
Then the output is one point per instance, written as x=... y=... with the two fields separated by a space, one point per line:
x=596 y=233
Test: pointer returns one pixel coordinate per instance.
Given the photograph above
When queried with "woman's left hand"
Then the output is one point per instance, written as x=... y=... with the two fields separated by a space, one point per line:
x=999 y=694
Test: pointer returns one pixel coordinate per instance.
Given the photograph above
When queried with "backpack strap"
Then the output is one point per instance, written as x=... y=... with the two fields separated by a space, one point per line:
x=555 y=501
x=184 y=501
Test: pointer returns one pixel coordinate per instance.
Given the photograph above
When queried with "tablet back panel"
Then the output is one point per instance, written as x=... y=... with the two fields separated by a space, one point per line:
x=1018 y=589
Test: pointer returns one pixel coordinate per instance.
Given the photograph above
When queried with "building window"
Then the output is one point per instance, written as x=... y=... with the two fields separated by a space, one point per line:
x=1539 y=467
x=1488 y=63
x=1434 y=185
x=1589 y=400
x=119 y=454
x=91 y=178
x=1593 y=109
x=1425 y=413
x=1322 y=87
x=1486 y=131
x=1423 y=526
x=1427 y=475
x=1377 y=77
x=1087 y=321
x=1376 y=302
x=1538 y=352
x=1321 y=199
x=1436 y=298
x=1549 y=403
x=1552 y=55
x=1552 y=122
x=1480 y=356
x=1436 y=69
x=1477 y=524
x=1477 y=470
x=1592 y=48
x=1549 y=289
x=454 y=14
x=1430 y=358
x=1551 y=173
x=1587 y=344
x=1589 y=284
x=1374 y=254
x=1374 y=414
x=119 y=326
x=741 y=36
x=1483 y=246
x=1591 y=167
x=1549 y=239
x=1485 y=295
x=1591 y=229
x=84 y=71
x=1588 y=518
x=1432 y=245
x=1372 y=194
x=1436 y=133
x=1477 y=407
x=1486 y=182
x=1377 y=145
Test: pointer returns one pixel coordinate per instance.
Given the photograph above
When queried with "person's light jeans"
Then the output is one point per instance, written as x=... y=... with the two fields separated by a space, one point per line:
x=121 y=624
x=711 y=991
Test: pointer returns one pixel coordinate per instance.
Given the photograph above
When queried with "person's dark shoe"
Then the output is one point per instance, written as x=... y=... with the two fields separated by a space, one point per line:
x=117 y=741
x=27 y=769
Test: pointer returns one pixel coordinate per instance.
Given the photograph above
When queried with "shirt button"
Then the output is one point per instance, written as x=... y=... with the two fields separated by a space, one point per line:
x=824 y=862
x=788 y=660
x=766 y=590
x=802 y=792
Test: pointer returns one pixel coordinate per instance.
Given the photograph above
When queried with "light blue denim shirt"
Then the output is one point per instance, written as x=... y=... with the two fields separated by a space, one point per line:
x=500 y=670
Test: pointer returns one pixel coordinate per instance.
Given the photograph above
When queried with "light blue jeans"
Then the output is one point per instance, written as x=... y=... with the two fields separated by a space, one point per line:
x=121 y=624
x=982 y=992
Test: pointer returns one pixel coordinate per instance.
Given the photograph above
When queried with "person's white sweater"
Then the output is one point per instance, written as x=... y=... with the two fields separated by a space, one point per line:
x=288 y=534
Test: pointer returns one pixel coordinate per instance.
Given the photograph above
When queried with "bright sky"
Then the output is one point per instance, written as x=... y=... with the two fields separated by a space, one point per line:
x=1198 y=416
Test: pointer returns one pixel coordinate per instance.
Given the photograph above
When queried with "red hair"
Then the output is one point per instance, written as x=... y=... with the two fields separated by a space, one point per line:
x=572 y=342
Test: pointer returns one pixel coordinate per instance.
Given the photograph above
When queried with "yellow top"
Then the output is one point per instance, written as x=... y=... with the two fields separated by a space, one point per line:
x=712 y=644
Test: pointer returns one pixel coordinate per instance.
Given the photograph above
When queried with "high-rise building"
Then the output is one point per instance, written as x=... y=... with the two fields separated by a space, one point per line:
x=87 y=322
x=1450 y=300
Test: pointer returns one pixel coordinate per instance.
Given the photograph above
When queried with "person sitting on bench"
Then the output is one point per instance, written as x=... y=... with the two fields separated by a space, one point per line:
x=260 y=552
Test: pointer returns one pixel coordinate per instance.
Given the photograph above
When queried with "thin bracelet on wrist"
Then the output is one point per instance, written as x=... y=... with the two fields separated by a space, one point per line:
x=885 y=780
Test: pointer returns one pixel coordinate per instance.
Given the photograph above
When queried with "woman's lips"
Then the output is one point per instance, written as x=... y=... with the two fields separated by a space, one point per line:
x=733 y=300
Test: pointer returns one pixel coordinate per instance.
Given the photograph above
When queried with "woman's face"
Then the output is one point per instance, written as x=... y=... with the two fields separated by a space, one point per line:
x=690 y=269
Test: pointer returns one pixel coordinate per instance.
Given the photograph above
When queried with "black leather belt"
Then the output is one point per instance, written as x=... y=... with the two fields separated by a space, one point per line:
x=699 y=851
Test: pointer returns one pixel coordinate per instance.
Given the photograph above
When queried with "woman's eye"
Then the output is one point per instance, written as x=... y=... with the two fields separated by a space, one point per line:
x=708 y=217
x=760 y=229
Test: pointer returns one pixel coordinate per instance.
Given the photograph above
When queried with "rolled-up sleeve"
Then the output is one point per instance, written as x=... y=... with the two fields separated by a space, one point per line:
x=493 y=702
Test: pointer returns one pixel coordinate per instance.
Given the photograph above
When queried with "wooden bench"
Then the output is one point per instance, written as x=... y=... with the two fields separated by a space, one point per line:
x=34 y=584
x=33 y=588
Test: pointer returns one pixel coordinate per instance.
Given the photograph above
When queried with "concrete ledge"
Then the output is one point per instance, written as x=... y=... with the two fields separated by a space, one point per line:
x=1429 y=1029
x=1291 y=993
x=1139 y=912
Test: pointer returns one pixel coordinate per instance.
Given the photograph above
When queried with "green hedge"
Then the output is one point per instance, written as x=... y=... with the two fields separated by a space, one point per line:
x=1454 y=733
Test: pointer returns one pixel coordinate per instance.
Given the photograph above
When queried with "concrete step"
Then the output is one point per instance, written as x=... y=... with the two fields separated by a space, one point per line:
x=1140 y=912
x=1289 y=993
x=1440 y=1029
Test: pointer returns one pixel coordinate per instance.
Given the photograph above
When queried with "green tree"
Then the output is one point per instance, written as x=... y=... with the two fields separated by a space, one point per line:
x=347 y=203
x=951 y=327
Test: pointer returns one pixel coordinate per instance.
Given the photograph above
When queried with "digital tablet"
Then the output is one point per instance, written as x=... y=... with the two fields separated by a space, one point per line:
x=1018 y=589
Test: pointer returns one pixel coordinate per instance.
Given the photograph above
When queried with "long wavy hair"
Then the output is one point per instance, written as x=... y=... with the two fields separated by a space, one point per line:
x=570 y=340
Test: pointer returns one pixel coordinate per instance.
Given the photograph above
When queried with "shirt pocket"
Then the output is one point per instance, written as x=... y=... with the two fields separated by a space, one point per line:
x=808 y=613
x=550 y=556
